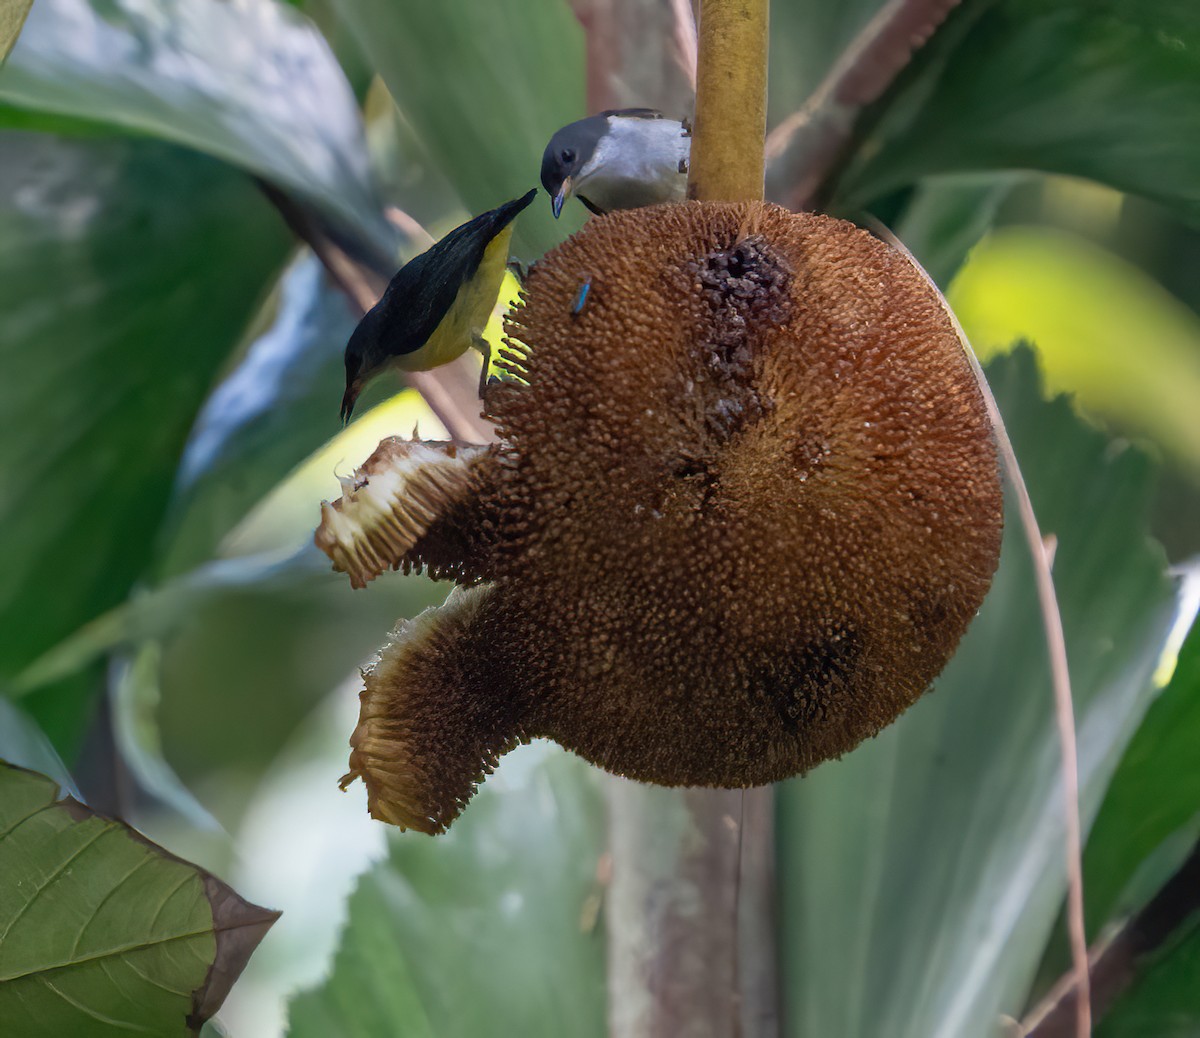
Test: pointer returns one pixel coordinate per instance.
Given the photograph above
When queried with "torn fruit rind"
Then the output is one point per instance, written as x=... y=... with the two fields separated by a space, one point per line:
x=391 y=502
x=423 y=740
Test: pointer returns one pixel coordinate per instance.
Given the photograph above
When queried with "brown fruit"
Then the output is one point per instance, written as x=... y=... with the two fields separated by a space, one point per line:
x=742 y=508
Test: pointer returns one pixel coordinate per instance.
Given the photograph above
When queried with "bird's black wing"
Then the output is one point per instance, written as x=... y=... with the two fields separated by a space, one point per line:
x=423 y=290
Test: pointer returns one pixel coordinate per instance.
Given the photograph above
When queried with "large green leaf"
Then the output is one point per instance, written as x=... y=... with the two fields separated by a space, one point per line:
x=239 y=651
x=1155 y=791
x=807 y=36
x=12 y=17
x=1164 y=1001
x=250 y=662
x=1104 y=330
x=946 y=216
x=490 y=929
x=252 y=83
x=484 y=83
x=1106 y=89
x=127 y=272
x=922 y=872
x=276 y=408
x=102 y=932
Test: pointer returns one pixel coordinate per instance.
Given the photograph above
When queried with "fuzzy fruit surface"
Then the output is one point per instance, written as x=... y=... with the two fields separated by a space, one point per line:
x=743 y=506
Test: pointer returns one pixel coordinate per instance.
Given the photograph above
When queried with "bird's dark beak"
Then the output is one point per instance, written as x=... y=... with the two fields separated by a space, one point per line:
x=564 y=192
x=348 y=399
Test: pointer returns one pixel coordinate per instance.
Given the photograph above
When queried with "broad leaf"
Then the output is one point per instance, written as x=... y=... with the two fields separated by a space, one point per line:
x=484 y=83
x=252 y=83
x=1164 y=1001
x=277 y=407
x=127 y=273
x=807 y=36
x=1104 y=330
x=1155 y=791
x=923 y=871
x=249 y=663
x=104 y=933
x=1105 y=89
x=240 y=651
x=945 y=217
x=490 y=929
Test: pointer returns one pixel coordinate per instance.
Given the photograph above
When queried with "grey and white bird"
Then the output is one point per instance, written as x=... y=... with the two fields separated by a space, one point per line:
x=620 y=159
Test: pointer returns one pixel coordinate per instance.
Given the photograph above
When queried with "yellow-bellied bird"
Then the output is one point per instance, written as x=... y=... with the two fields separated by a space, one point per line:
x=437 y=305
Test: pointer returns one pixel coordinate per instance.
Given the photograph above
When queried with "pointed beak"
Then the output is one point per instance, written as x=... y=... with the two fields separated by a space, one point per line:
x=348 y=399
x=564 y=192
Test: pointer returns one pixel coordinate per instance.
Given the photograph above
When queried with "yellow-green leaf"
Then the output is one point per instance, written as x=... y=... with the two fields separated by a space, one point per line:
x=1105 y=331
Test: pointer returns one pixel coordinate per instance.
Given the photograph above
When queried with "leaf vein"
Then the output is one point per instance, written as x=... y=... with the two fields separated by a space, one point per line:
x=156 y=983
x=47 y=882
x=103 y=901
x=183 y=881
x=125 y=1025
x=111 y=953
x=21 y=821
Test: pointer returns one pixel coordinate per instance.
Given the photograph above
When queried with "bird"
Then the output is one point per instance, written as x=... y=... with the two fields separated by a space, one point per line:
x=436 y=306
x=623 y=158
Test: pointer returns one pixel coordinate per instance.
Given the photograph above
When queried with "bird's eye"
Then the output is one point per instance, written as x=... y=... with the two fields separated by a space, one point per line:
x=567 y=155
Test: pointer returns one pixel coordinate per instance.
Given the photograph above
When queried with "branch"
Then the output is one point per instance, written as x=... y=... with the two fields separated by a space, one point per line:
x=690 y=910
x=1115 y=962
x=805 y=149
x=640 y=53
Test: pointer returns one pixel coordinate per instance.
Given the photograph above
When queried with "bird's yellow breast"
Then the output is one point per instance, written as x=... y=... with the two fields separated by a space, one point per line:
x=468 y=314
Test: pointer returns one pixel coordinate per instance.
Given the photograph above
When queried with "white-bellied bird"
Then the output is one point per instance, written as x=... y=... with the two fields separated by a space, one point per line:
x=620 y=159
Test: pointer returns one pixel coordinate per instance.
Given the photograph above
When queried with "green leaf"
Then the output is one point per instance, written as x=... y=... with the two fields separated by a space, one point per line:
x=152 y=614
x=1105 y=89
x=252 y=83
x=922 y=872
x=276 y=408
x=252 y=660
x=484 y=83
x=1104 y=330
x=239 y=650
x=807 y=36
x=12 y=16
x=134 y=698
x=490 y=929
x=127 y=273
x=23 y=743
x=945 y=218
x=1155 y=791
x=1164 y=1001
x=101 y=931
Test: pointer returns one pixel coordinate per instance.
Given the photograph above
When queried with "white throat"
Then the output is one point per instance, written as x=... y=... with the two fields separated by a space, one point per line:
x=638 y=162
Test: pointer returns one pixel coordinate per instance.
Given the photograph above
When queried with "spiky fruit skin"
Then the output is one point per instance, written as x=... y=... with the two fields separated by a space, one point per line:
x=744 y=506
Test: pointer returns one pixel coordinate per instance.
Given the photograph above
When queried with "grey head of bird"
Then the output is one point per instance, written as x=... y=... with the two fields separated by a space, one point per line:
x=623 y=158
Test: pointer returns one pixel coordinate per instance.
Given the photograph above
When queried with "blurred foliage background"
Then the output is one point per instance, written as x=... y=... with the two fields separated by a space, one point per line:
x=176 y=653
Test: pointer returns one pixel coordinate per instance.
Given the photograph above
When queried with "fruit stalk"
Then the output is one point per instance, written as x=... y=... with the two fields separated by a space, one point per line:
x=692 y=945
x=731 y=102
